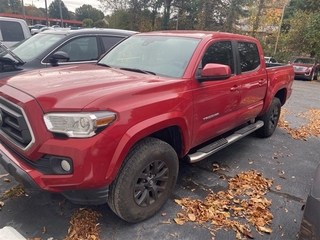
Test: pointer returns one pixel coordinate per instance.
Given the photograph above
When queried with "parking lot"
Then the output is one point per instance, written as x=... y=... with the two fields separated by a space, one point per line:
x=289 y=162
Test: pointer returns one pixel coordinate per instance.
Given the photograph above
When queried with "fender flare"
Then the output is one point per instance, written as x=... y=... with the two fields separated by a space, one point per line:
x=144 y=129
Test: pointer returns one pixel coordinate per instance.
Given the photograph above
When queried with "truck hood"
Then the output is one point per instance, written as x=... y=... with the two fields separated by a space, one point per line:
x=77 y=86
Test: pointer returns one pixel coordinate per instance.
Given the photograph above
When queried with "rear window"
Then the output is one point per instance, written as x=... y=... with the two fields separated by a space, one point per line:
x=109 y=41
x=249 y=56
x=11 y=31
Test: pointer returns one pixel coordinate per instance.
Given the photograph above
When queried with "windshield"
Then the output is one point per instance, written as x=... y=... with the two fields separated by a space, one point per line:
x=304 y=60
x=161 y=55
x=32 y=47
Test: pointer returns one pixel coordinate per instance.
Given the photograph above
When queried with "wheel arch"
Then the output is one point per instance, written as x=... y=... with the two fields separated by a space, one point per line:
x=173 y=131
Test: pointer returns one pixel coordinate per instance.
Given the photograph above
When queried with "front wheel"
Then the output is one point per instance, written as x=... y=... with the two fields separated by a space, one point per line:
x=145 y=181
x=270 y=119
x=315 y=75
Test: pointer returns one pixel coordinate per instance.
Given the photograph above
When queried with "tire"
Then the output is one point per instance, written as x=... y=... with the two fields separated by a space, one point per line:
x=312 y=76
x=315 y=75
x=270 y=119
x=145 y=181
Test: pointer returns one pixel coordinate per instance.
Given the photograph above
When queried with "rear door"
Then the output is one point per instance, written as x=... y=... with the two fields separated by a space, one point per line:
x=253 y=76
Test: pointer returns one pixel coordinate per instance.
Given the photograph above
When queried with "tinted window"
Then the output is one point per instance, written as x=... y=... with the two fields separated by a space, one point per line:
x=108 y=42
x=11 y=31
x=81 y=49
x=249 y=56
x=219 y=52
x=35 y=46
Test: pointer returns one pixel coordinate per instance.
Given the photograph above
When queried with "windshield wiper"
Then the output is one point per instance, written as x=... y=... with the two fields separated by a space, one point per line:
x=6 y=49
x=138 y=70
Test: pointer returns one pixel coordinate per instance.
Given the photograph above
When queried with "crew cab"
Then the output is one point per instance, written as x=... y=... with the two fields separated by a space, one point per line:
x=306 y=68
x=114 y=132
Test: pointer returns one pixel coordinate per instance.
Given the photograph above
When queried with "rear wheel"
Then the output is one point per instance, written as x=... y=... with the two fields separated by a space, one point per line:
x=145 y=180
x=270 y=119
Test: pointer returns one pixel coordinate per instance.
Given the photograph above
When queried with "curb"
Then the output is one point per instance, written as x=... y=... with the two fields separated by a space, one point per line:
x=10 y=233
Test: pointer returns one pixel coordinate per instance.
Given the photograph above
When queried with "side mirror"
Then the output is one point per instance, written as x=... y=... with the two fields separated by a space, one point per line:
x=214 y=71
x=59 y=56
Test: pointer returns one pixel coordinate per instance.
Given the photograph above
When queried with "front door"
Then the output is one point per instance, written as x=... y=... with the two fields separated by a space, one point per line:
x=216 y=102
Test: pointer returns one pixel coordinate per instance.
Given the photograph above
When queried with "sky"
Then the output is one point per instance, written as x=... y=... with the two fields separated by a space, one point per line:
x=70 y=4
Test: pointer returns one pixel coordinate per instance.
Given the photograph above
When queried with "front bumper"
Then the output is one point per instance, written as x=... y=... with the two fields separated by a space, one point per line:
x=13 y=169
x=86 y=185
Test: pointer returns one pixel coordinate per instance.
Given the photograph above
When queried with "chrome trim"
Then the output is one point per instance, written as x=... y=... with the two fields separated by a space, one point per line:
x=28 y=124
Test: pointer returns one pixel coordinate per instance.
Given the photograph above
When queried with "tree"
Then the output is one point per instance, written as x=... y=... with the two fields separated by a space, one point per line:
x=100 y=24
x=87 y=11
x=4 y=6
x=14 y=6
x=87 y=23
x=54 y=10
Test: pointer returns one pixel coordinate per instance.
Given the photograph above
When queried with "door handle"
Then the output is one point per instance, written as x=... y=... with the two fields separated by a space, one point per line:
x=262 y=82
x=234 y=88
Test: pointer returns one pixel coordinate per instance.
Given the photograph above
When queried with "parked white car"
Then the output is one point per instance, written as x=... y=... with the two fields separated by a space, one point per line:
x=13 y=30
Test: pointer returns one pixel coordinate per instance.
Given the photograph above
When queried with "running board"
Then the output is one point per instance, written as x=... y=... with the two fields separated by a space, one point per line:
x=223 y=142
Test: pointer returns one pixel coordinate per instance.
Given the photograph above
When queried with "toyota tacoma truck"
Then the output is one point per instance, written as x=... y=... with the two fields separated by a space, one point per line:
x=114 y=132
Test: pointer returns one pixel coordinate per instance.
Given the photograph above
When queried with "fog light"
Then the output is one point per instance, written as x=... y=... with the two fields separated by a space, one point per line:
x=65 y=165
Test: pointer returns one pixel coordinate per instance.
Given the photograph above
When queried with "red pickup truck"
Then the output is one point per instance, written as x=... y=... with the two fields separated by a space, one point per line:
x=114 y=131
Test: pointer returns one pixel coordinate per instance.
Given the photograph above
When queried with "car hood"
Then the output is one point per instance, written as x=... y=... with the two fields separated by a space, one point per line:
x=79 y=85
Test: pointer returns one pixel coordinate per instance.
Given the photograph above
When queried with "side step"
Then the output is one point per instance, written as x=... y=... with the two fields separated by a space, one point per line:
x=223 y=142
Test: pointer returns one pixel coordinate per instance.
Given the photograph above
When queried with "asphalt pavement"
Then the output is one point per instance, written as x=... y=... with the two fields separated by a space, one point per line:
x=288 y=162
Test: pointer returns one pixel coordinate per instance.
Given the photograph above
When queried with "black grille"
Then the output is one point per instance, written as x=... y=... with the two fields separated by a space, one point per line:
x=13 y=125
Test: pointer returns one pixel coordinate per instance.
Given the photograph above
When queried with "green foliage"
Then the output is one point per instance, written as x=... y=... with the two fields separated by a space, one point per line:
x=87 y=23
x=87 y=11
x=54 y=10
x=4 y=6
x=101 y=24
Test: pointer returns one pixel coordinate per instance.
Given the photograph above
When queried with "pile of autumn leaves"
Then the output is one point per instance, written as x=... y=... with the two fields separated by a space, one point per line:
x=235 y=208
x=305 y=131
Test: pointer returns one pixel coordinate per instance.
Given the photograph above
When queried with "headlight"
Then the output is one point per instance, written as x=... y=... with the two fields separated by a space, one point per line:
x=78 y=125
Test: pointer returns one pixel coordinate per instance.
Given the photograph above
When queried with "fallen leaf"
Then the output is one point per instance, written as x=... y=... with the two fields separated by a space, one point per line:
x=192 y=217
x=163 y=214
x=44 y=230
x=265 y=229
x=6 y=180
x=179 y=221
x=167 y=222
x=278 y=188
x=4 y=175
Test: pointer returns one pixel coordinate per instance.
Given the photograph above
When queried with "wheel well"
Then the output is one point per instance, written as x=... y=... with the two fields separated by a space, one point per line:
x=281 y=94
x=172 y=136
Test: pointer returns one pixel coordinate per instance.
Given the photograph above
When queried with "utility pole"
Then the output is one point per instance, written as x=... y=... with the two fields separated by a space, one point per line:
x=46 y=7
x=23 y=10
x=279 y=30
x=61 y=13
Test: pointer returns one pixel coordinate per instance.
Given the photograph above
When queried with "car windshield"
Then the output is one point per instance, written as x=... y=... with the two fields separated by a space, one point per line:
x=160 y=55
x=304 y=60
x=32 y=47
